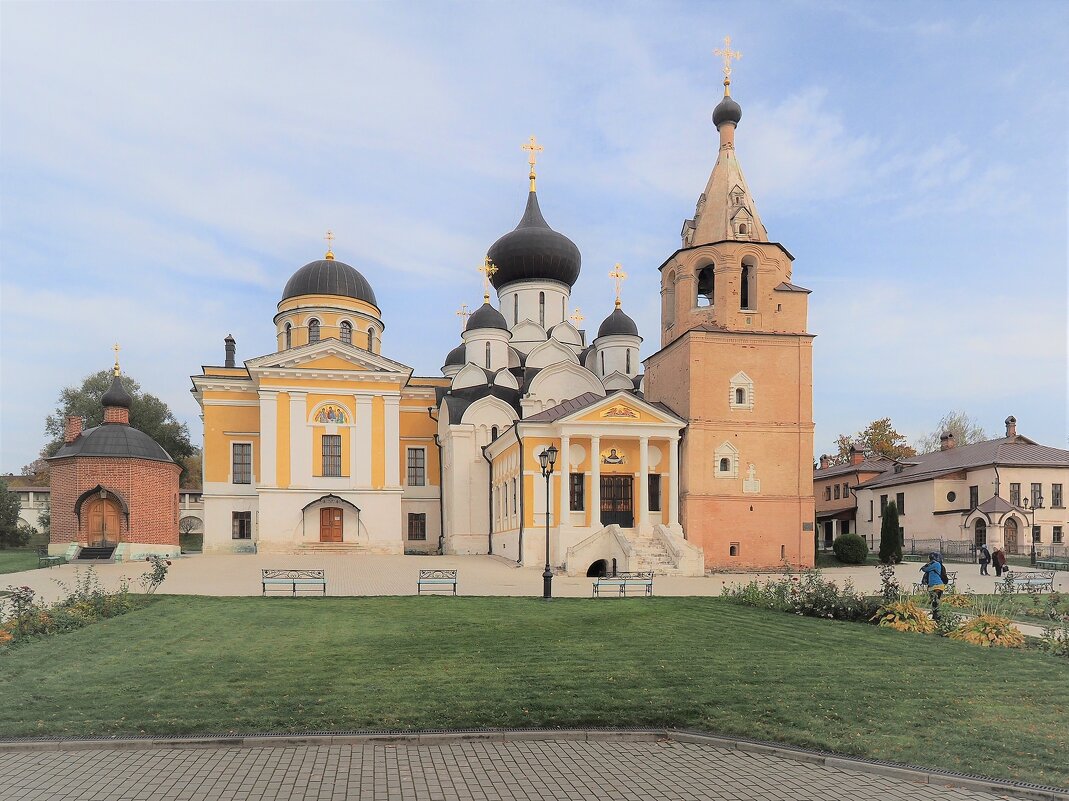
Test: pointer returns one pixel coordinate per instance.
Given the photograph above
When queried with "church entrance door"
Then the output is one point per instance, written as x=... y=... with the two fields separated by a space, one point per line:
x=1011 y=536
x=617 y=501
x=330 y=524
x=102 y=516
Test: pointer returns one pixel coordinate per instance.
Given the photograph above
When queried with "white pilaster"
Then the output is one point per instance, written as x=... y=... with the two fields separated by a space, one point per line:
x=673 y=482
x=300 y=441
x=391 y=434
x=268 y=437
x=362 y=442
x=643 y=482
x=564 y=468
x=595 y=483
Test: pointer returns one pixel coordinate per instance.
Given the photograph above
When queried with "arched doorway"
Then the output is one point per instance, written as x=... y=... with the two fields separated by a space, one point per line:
x=598 y=569
x=1011 y=535
x=980 y=533
x=102 y=522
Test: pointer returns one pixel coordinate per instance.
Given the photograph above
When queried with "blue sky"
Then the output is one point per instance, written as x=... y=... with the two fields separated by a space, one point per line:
x=166 y=167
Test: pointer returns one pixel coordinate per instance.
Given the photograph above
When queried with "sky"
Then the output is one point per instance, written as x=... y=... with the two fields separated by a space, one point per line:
x=165 y=167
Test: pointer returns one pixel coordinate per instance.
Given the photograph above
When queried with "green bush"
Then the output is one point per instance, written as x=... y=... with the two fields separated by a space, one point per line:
x=850 y=549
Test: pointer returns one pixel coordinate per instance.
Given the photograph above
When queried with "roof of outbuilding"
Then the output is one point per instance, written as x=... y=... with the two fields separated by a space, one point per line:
x=114 y=439
x=875 y=464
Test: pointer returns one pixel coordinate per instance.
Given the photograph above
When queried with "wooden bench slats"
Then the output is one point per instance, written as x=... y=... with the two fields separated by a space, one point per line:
x=293 y=579
x=436 y=579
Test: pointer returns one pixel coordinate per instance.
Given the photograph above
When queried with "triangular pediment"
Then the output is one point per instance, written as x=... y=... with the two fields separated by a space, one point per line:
x=623 y=406
x=330 y=356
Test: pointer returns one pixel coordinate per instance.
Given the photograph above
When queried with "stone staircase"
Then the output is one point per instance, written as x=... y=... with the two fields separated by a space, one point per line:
x=331 y=548
x=652 y=554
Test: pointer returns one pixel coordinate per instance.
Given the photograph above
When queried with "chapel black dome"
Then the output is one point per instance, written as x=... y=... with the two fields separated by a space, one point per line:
x=116 y=395
x=486 y=316
x=727 y=110
x=534 y=252
x=329 y=277
x=115 y=439
x=457 y=355
x=618 y=324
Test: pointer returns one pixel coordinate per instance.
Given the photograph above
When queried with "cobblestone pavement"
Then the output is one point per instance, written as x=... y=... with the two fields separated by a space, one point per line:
x=470 y=769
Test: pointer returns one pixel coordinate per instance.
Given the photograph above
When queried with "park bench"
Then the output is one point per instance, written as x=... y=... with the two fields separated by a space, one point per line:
x=44 y=560
x=952 y=577
x=434 y=580
x=1028 y=581
x=1053 y=564
x=293 y=579
x=625 y=580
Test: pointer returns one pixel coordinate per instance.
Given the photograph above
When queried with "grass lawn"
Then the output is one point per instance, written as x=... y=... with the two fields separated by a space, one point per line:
x=213 y=665
x=14 y=560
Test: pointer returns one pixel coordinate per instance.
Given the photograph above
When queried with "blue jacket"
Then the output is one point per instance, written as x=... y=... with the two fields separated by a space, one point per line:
x=933 y=574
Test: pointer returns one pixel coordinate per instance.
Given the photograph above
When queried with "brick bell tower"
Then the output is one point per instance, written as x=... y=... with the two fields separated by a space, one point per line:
x=736 y=363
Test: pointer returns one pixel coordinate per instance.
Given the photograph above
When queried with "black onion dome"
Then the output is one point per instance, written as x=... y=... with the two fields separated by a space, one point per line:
x=534 y=252
x=329 y=277
x=486 y=316
x=115 y=439
x=618 y=324
x=727 y=110
x=457 y=355
x=116 y=394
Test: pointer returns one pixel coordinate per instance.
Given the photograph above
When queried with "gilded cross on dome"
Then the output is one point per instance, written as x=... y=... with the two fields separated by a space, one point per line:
x=728 y=54
x=532 y=147
x=330 y=244
x=463 y=314
x=116 y=348
x=618 y=276
x=577 y=317
x=488 y=269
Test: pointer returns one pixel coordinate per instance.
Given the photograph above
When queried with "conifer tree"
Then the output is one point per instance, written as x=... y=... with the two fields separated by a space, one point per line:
x=890 y=535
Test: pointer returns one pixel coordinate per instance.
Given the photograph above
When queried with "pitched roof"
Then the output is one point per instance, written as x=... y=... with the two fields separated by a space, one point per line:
x=875 y=464
x=996 y=505
x=1014 y=451
x=565 y=409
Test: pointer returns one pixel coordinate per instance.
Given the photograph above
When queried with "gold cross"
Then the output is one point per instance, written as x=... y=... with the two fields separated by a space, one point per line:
x=330 y=244
x=618 y=276
x=487 y=268
x=577 y=317
x=116 y=348
x=463 y=314
x=532 y=147
x=728 y=54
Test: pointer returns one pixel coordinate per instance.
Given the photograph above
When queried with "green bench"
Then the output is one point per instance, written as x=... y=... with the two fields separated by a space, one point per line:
x=624 y=580
x=1028 y=581
x=44 y=560
x=293 y=579
x=1053 y=564
x=434 y=580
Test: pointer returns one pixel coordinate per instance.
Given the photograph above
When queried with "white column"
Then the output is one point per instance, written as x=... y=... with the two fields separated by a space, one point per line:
x=643 y=482
x=268 y=432
x=595 y=483
x=362 y=442
x=300 y=441
x=391 y=433
x=673 y=482
x=564 y=468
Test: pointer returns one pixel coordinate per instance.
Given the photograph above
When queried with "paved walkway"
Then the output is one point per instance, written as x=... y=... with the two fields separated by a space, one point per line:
x=469 y=769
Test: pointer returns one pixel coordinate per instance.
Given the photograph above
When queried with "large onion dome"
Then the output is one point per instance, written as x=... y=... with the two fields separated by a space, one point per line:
x=618 y=324
x=534 y=252
x=486 y=316
x=329 y=277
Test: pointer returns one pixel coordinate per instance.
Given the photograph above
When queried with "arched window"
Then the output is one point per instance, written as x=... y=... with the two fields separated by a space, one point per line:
x=747 y=290
x=725 y=465
x=563 y=308
x=603 y=364
x=669 y=315
x=706 y=285
x=980 y=531
x=740 y=396
x=542 y=309
x=346 y=332
x=742 y=228
x=628 y=368
x=516 y=309
x=289 y=336
x=493 y=433
x=313 y=331
x=370 y=338
x=487 y=355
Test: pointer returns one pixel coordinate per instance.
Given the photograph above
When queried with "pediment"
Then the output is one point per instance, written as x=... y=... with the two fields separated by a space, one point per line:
x=617 y=380
x=622 y=406
x=331 y=356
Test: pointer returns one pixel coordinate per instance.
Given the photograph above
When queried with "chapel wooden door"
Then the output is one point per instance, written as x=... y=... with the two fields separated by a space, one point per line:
x=330 y=524
x=617 y=501
x=1011 y=536
x=102 y=521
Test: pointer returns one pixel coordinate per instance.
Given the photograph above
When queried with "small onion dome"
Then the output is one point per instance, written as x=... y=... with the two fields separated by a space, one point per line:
x=329 y=277
x=457 y=355
x=116 y=395
x=534 y=252
x=618 y=324
x=486 y=316
x=727 y=110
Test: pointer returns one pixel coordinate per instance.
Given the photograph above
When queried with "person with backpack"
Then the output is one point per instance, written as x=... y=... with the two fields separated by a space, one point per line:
x=985 y=560
x=934 y=577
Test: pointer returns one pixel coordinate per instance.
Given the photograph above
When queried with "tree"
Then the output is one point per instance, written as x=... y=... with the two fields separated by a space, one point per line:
x=13 y=532
x=192 y=474
x=890 y=535
x=44 y=520
x=189 y=525
x=37 y=472
x=878 y=439
x=147 y=412
x=966 y=431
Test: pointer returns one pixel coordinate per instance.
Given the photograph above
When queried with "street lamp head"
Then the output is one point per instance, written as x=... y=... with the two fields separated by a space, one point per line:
x=543 y=459
x=552 y=455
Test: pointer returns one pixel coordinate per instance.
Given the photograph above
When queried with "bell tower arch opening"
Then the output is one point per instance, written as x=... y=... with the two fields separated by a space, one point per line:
x=706 y=286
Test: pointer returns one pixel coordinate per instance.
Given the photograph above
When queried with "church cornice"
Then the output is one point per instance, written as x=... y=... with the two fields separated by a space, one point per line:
x=786 y=252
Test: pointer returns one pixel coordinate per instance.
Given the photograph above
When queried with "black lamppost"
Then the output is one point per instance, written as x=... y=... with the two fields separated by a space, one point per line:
x=547 y=459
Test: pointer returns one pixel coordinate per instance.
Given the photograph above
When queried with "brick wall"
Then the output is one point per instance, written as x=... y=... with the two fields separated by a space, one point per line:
x=149 y=488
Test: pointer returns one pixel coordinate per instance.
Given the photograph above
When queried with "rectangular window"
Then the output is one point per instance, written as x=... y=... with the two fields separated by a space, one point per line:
x=846 y=527
x=974 y=496
x=870 y=511
x=241 y=525
x=332 y=454
x=655 y=492
x=1037 y=533
x=242 y=467
x=836 y=492
x=1015 y=494
x=827 y=493
x=900 y=502
x=1056 y=496
x=883 y=504
x=417 y=467
x=417 y=526
x=576 y=502
x=846 y=490
x=504 y=493
x=515 y=507
x=1037 y=496
x=1057 y=536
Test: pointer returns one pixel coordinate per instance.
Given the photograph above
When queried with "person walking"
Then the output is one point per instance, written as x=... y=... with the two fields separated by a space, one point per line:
x=934 y=577
x=985 y=560
x=999 y=559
